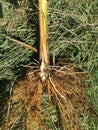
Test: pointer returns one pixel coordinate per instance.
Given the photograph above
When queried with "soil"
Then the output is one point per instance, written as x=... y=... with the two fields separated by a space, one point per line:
x=26 y=110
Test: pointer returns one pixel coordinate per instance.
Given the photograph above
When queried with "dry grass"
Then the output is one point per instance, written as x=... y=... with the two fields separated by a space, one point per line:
x=71 y=31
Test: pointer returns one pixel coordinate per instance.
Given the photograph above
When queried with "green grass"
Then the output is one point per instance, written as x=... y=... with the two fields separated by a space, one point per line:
x=72 y=36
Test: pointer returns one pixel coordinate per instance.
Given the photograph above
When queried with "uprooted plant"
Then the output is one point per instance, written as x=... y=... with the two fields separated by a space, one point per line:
x=61 y=82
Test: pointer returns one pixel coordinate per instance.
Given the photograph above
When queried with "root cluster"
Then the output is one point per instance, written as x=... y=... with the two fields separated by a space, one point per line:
x=64 y=90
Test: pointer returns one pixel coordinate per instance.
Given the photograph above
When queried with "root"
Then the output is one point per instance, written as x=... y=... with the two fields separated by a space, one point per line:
x=69 y=117
x=25 y=104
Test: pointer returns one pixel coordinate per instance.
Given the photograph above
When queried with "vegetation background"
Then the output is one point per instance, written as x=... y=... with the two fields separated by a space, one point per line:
x=72 y=37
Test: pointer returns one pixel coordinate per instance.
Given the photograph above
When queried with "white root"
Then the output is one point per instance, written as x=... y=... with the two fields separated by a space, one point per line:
x=56 y=89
